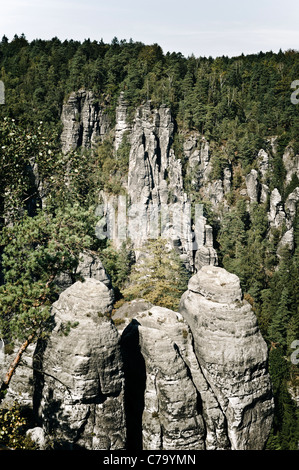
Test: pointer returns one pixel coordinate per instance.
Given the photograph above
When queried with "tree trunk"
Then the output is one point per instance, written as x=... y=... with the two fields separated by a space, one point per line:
x=13 y=366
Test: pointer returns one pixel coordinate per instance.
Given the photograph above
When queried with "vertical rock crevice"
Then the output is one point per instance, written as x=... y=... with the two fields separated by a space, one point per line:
x=135 y=383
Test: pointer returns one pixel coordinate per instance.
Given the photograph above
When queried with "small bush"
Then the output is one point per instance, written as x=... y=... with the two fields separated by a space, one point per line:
x=13 y=429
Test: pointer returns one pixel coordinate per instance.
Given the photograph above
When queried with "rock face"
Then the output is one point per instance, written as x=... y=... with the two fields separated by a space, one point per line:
x=79 y=395
x=253 y=187
x=169 y=404
x=89 y=266
x=150 y=153
x=157 y=201
x=84 y=120
x=21 y=387
x=155 y=183
x=196 y=379
x=122 y=126
x=232 y=354
x=205 y=252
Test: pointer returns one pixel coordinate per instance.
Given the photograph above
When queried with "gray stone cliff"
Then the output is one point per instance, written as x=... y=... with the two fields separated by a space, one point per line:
x=84 y=121
x=155 y=175
x=152 y=378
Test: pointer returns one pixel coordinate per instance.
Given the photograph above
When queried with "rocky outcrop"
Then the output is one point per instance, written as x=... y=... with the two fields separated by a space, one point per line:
x=21 y=387
x=205 y=252
x=290 y=207
x=122 y=125
x=196 y=379
x=169 y=404
x=155 y=174
x=283 y=214
x=276 y=213
x=89 y=266
x=253 y=186
x=291 y=163
x=151 y=378
x=84 y=121
x=232 y=354
x=197 y=154
x=151 y=138
x=155 y=183
x=79 y=391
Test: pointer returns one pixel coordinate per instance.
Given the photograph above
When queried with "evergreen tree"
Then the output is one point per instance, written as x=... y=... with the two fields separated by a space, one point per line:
x=159 y=277
x=35 y=251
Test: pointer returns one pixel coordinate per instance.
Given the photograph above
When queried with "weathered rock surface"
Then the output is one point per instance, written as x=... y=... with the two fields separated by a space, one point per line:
x=156 y=379
x=152 y=134
x=196 y=379
x=253 y=186
x=21 y=387
x=291 y=163
x=290 y=207
x=89 y=266
x=276 y=213
x=205 y=252
x=155 y=181
x=80 y=392
x=168 y=401
x=155 y=174
x=232 y=354
x=121 y=126
x=84 y=121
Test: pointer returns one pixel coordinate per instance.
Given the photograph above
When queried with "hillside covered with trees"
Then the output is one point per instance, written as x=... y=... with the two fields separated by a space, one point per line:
x=240 y=105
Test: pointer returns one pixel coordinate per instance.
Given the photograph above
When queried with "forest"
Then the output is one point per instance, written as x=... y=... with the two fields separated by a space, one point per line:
x=239 y=104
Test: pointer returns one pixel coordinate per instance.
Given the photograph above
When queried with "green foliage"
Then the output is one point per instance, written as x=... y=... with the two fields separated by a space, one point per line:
x=285 y=433
x=20 y=149
x=236 y=103
x=35 y=251
x=242 y=99
x=65 y=328
x=12 y=429
x=159 y=278
x=118 y=264
x=112 y=165
x=271 y=285
x=293 y=184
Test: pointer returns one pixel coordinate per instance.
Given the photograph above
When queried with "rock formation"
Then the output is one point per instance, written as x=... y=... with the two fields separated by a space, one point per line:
x=155 y=174
x=79 y=393
x=173 y=408
x=232 y=354
x=84 y=121
x=253 y=186
x=202 y=373
x=157 y=177
x=122 y=126
x=150 y=378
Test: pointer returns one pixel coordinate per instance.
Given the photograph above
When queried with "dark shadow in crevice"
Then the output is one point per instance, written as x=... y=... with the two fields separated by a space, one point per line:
x=135 y=380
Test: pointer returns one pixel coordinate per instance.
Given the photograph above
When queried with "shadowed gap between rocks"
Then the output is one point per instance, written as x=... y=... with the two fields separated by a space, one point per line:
x=135 y=381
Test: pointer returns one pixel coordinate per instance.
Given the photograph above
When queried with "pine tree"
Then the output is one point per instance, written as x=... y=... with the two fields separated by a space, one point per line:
x=159 y=278
x=35 y=251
